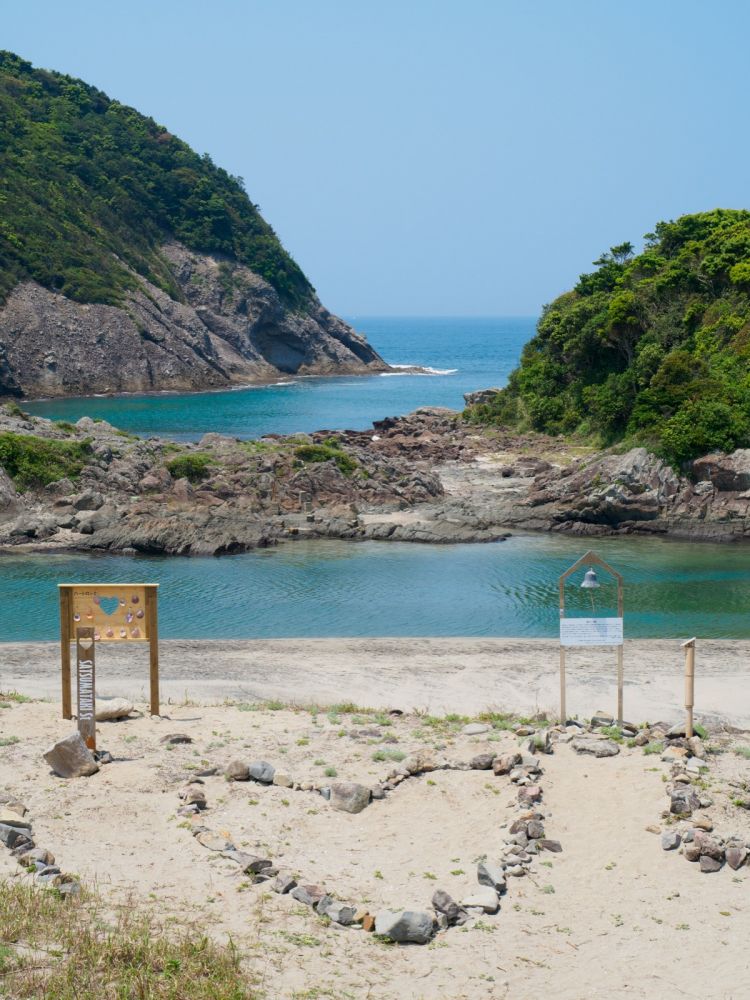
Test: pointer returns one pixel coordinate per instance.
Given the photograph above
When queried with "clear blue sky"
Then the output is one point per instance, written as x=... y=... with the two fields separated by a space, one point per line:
x=453 y=157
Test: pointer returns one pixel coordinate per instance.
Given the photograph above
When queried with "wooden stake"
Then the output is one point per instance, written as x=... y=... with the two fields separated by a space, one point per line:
x=689 y=648
x=86 y=684
x=563 y=711
x=153 y=648
x=65 y=640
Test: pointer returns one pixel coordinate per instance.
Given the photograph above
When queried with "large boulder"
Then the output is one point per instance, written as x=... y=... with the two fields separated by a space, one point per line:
x=71 y=758
x=728 y=473
x=111 y=709
x=348 y=796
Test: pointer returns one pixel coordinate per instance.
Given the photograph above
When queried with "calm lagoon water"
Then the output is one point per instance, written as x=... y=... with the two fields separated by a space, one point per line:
x=334 y=588
x=465 y=354
x=369 y=589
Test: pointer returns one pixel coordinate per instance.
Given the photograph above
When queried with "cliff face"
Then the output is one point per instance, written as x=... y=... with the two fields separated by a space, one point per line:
x=231 y=328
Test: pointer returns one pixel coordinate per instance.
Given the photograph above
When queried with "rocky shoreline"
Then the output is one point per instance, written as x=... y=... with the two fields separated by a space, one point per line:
x=427 y=477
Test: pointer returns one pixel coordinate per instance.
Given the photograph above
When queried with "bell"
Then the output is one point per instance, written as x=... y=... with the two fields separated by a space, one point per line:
x=590 y=580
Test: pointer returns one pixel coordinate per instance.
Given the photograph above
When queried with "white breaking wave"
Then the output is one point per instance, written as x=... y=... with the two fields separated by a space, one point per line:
x=424 y=370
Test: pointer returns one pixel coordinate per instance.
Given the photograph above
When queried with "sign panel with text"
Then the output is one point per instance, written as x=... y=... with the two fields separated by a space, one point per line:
x=591 y=632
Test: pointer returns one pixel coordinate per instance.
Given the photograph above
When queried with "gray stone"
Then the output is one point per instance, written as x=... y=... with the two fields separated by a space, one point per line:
x=377 y=792
x=348 y=796
x=446 y=905
x=405 y=926
x=175 y=739
x=736 y=856
x=476 y=729
x=601 y=719
x=535 y=829
x=261 y=770
x=550 y=845
x=482 y=762
x=237 y=770
x=709 y=864
x=485 y=898
x=307 y=894
x=284 y=883
x=340 y=913
x=110 y=709
x=506 y=762
x=214 y=841
x=71 y=758
x=491 y=875
x=670 y=840
x=36 y=854
x=683 y=800
x=12 y=837
x=9 y=817
x=251 y=864
x=598 y=748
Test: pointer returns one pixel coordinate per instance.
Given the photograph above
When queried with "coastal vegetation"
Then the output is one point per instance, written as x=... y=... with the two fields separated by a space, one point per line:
x=648 y=348
x=90 y=189
x=33 y=462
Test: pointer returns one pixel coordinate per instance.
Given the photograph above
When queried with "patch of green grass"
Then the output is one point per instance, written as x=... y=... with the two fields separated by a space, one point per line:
x=613 y=733
x=32 y=462
x=699 y=730
x=330 y=772
x=743 y=752
x=194 y=467
x=300 y=940
x=16 y=696
x=389 y=755
x=8 y=741
x=655 y=747
x=327 y=453
x=92 y=952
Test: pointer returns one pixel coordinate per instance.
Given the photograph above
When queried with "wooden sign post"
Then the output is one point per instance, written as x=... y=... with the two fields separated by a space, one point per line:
x=689 y=648
x=113 y=612
x=86 y=684
x=591 y=631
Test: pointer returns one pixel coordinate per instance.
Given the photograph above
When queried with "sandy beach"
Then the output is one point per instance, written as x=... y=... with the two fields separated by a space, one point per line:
x=436 y=675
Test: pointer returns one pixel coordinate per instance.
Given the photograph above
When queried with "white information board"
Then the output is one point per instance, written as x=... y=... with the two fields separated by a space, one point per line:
x=591 y=631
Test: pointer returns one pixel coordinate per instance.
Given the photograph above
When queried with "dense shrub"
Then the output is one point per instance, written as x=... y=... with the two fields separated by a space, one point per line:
x=329 y=452
x=33 y=461
x=194 y=466
x=651 y=348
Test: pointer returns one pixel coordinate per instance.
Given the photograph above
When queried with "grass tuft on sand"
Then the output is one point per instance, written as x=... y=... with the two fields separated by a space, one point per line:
x=52 y=948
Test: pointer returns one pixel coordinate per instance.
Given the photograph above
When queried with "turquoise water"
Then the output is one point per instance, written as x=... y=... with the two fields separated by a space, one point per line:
x=369 y=589
x=334 y=588
x=467 y=353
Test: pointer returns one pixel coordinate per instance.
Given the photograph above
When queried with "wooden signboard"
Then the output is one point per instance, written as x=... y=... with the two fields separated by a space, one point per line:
x=115 y=612
x=86 y=684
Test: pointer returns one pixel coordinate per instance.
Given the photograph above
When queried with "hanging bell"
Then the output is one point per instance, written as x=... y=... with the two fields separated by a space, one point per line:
x=590 y=580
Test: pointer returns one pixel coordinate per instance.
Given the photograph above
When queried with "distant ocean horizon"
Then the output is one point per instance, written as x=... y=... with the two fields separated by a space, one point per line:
x=461 y=354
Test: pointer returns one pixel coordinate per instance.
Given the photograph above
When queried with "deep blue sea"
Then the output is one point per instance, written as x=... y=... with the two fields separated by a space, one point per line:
x=334 y=588
x=464 y=354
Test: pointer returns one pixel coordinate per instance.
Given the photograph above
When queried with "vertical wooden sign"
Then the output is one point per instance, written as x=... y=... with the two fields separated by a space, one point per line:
x=85 y=658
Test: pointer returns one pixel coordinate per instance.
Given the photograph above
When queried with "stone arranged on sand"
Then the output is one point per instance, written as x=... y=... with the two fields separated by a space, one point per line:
x=237 y=770
x=736 y=856
x=491 y=875
x=111 y=709
x=9 y=817
x=284 y=883
x=339 y=913
x=670 y=840
x=598 y=748
x=12 y=836
x=214 y=841
x=683 y=800
x=482 y=762
x=485 y=898
x=405 y=926
x=71 y=758
x=445 y=904
x=308 y=894
x=505 y=763
x=250 y=864
x=476 y=729
x=262 y=771
x=348 y=796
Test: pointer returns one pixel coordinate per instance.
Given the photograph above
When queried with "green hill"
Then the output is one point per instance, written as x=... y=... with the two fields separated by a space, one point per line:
x=652 y=348
x=89 y=189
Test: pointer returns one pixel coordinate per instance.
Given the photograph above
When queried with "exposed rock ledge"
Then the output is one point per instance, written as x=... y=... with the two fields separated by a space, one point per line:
x=427 y=477
x=231 y=328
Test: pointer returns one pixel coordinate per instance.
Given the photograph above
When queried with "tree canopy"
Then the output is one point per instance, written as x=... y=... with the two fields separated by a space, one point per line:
x=652 y=348
x=90 y=189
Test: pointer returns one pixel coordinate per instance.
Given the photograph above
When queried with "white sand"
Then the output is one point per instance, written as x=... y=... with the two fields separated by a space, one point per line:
x=612 y=916
x=439 y=675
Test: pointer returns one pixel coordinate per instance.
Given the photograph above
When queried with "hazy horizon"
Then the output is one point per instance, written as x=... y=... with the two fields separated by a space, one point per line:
x=433 y=159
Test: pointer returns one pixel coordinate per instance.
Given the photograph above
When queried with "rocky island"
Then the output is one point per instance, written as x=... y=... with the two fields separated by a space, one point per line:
x=129 y=263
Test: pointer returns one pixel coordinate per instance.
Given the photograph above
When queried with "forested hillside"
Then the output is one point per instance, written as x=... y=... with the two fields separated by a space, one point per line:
x=90 y=188
x=653 y=348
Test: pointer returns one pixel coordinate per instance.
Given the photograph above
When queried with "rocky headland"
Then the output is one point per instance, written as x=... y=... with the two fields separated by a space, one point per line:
x=426 y=477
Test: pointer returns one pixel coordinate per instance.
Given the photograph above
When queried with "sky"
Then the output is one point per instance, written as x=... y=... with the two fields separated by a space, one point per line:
x=433 y=157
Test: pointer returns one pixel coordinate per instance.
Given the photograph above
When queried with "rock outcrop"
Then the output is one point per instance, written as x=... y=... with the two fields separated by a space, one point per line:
x=230 y=328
